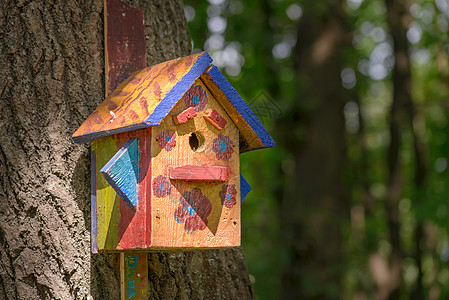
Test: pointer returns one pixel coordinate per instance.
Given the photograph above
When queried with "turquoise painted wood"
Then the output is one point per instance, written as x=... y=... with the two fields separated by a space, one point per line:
x=121 y=172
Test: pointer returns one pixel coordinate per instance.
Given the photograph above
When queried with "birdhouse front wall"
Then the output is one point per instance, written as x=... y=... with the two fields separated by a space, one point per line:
x=115 y=225
x=195 y=175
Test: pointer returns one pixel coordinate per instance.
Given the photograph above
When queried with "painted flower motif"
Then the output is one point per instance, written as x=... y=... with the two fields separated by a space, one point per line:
x=167 y=139
x=223 y=147
x=193 y=211
x=228 y=195
x=161 y=186
x=196 y=97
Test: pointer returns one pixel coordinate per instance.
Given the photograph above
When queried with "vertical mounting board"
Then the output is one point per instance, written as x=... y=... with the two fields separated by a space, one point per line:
x=125 y=50
x=134 y=275
x=125 y=53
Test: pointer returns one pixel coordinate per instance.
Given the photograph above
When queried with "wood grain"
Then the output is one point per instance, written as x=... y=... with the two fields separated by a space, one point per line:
x=122 y=172
x=184 y=116
x=215 y=119
x=144 y=98
x=134 y=275
x=223 y=224
x=199 y=173
x=118 y=226
x=124 y=40
x=253 y=134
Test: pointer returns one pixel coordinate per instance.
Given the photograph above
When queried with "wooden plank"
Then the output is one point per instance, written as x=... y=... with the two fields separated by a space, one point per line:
x=93 y=199
x=125 y=53
x=179 y=89
x=215 y=119
x=125 y=50
x=186 y=115
x=199 y=173
x=145 y=183
x=134 y=227
x=134 y=275
x=193 y=214
x=118 y=226
x=108 y=203
x=144 y=99
x=254 y=135
x=122 y=276
x=122 y=172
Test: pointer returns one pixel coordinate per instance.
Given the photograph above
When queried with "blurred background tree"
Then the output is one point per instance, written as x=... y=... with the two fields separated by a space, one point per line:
x=352 y=203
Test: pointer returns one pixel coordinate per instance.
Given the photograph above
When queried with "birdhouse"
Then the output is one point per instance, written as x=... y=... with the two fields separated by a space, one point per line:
x=165 y=151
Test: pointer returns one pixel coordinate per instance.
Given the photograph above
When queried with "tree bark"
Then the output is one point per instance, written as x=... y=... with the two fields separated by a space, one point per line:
x=51 y=79
x=313 y=208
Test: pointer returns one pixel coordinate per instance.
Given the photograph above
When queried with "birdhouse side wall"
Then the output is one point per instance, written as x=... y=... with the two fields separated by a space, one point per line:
x=195 y=213
x=115 y=225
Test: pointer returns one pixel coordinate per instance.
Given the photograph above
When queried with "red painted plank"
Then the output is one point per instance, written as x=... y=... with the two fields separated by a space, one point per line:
x=124 y=42
x=199 y=173
x=134 y=230
x=125 y=53
x=186 y=115
x=145 y=185
x=216 y=119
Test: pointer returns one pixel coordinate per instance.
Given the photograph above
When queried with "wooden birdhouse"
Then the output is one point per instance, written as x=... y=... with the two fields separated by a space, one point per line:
x=165 y=159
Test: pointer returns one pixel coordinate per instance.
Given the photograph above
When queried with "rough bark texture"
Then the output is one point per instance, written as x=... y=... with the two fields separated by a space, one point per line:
x=51 y=79
x=313 y=210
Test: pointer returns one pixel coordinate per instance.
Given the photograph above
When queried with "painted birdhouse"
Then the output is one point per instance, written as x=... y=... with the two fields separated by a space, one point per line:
x=165 y=159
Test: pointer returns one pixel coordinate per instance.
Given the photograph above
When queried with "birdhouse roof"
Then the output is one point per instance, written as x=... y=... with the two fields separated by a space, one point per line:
x=146 y=97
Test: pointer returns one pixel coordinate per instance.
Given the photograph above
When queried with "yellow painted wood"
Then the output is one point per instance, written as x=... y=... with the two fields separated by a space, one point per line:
x=223 y=228
x=118 y=226
x=108 y=205
x=135 y=99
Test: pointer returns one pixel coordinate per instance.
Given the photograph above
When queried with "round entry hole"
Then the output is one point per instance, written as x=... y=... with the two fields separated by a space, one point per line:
x=196 y=141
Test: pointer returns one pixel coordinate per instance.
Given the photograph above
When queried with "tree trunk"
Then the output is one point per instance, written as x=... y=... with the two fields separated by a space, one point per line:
x=403 y=117
x=312 y=209
x=51 y=79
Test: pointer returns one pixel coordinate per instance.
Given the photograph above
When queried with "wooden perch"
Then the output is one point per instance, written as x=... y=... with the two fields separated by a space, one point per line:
x=215 y=119
x=186 y=115
x=200 y=173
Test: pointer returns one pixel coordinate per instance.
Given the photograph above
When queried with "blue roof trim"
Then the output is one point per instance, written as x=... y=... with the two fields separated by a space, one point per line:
x=245 y=188
x=170 y=100
x=241 y=107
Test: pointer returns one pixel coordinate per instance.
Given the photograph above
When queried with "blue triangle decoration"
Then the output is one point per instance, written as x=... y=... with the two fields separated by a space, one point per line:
x=122 y=172
x=245 y=188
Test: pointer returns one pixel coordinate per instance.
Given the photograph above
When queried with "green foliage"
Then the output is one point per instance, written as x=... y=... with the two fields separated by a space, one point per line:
x=254 y=43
